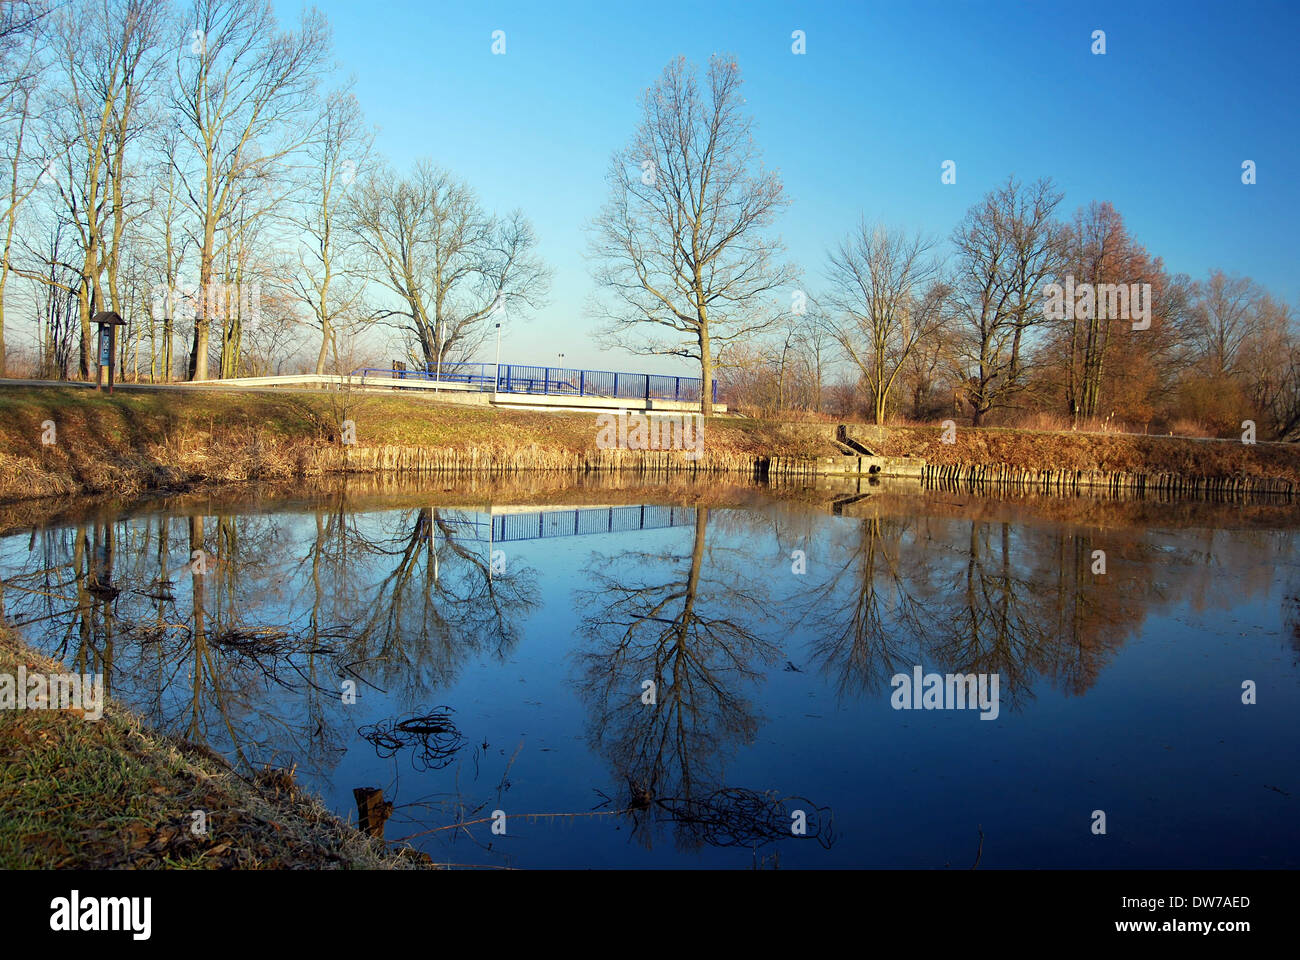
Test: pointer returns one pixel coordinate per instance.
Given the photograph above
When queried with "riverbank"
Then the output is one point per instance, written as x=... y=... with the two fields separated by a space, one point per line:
x=140 y=441
x=57 y=442
x=113 y=794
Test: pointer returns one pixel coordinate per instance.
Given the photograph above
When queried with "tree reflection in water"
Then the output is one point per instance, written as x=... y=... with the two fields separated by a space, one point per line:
x=249 y=655
x=246 y=651
x=682 y=622
x=970 y=596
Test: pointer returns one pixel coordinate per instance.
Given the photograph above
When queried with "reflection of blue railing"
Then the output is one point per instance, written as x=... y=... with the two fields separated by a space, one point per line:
x=576 y=523
x=565 y=523
x=553 y=381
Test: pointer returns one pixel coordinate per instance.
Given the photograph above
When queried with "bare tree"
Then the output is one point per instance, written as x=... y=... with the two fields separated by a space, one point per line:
x=450 y=264
x=19 y=66
x=20 y=25
x=680 y=244
x=1222 y=320
x=106 y=53
x=173 y=243
x=141 y=65
x=320 y=279
x=1008 y=247
x=928 y=371
x=245 y=97
x=56 y=309
x=879 y=279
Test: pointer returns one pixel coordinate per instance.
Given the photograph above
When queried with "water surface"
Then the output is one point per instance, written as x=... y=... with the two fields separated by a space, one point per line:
x=501 y=640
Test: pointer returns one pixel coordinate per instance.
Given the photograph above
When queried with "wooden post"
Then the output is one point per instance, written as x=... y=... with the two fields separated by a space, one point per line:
x=372 y=811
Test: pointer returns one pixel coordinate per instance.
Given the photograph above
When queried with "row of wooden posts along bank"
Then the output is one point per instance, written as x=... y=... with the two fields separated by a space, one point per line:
x=395 y=459
x=1116 y=482
x=400 y=460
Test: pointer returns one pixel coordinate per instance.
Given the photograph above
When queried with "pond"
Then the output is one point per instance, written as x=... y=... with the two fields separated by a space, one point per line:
x=601 y=673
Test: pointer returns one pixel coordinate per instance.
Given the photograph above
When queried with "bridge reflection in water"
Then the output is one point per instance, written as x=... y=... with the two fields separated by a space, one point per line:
x=504 y=524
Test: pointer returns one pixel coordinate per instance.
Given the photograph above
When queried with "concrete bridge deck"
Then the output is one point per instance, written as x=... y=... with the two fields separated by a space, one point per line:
x=444 y=390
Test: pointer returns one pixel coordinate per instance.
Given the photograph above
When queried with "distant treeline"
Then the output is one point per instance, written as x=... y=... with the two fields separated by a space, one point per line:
x=190 y=167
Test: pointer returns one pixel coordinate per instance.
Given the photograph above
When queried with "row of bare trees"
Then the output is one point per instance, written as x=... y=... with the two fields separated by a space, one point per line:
x=192 y=168
x=907 y=325
x=201 y=152
x=924 y=338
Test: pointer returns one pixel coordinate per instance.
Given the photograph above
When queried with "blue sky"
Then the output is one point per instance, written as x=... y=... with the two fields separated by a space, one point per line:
x=862 y=122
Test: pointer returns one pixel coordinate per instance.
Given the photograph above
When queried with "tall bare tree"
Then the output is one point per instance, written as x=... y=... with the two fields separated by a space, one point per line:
x=449 y=265
x=1008 y=246
x=173 y=244
x=144 y=25
x=106 y=55
x=245 y=95
x=681 y=244
x=1224 y=316
x=1269 y=363
x=882 y=305
x=320 y=278
x=19 y=76
x=20 y=24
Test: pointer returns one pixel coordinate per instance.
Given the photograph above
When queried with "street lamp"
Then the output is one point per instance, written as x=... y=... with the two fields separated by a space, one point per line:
x=497 y=386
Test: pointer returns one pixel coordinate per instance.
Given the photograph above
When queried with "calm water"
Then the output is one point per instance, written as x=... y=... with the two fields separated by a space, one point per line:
x=525 y=624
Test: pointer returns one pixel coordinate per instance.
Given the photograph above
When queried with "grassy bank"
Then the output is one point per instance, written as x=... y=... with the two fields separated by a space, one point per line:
x=133 y=442
x=113 y=794
x=136 y=441
x=1104 y=452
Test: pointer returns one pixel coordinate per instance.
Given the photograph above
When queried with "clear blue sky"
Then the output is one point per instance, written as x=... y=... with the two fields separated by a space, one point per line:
x=862 y=122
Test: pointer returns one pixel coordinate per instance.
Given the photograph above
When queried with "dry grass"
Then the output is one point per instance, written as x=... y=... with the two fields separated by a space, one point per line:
x=1191 y=428
x=1119 y=453
x=134 y=442
x=113 y=794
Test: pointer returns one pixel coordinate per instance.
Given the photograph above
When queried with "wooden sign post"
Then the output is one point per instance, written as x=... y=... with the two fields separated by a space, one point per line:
x=108 y=322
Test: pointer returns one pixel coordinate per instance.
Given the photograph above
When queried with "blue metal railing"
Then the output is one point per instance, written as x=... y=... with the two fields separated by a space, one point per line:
x=554 y=381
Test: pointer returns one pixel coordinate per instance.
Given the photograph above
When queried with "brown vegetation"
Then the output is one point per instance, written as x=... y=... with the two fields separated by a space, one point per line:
x=112 y=794
x=133 y=442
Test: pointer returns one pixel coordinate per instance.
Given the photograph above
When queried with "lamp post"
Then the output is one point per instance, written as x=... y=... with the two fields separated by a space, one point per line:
x=497 y=386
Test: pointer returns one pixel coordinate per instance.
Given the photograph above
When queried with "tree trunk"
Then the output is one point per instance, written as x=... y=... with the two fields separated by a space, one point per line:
x=706 y=373
x=326 y=332
x=199 y=352
x=3 y=369
x=83 y=312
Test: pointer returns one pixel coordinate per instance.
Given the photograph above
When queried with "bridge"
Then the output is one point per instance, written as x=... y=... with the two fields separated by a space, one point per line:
x=526 y=386
x=548 y=381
